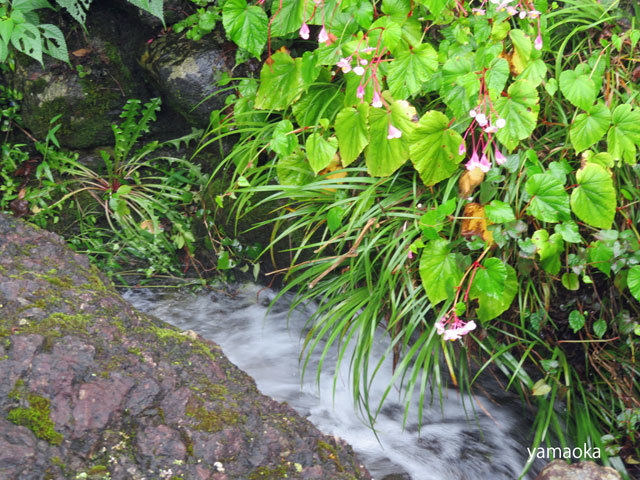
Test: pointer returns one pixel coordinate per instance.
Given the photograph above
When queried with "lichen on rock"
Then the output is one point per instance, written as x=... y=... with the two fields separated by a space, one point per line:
x=89 y=386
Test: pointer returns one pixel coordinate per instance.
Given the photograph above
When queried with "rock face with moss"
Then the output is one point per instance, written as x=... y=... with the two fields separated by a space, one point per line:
x=91 y=388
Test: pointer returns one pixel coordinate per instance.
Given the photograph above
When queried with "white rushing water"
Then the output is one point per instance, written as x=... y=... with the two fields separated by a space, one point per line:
x=450 y=445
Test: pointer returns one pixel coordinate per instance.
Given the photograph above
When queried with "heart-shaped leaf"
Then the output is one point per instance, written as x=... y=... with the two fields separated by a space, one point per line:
x=594 y=200
x=579 y=89
x=588 y=128
x=550 y=202
x=520 y=111
x=434 y=148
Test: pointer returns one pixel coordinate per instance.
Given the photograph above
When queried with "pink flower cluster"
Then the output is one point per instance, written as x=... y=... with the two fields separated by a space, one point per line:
x=324 y=35
x=489 y=122
x=360 y=66
x=451 y=327
x=523 y=9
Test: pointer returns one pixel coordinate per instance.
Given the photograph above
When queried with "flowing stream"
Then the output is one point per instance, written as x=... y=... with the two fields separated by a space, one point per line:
x=456 y=442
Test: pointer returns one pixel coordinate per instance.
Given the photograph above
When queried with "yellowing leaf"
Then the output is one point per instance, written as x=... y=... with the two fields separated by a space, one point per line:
x=474 y=223
x=469 y=180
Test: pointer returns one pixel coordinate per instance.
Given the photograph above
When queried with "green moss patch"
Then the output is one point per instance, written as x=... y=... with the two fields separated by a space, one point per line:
x=37 y=419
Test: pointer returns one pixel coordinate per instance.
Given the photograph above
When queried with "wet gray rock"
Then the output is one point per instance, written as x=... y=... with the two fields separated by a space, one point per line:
x=561 y=470
x=88 y=385
x=186 y=73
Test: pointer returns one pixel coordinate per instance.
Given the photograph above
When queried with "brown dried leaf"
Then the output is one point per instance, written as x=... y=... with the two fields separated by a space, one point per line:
x=474 y=223
x=335 y=164
x=469 y=180
x=81 y=52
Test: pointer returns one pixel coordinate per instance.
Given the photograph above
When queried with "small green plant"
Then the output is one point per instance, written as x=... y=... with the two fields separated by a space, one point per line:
x=136 y=206
x=200 y=23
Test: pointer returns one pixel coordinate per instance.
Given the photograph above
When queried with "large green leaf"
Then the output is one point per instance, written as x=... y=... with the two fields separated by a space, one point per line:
x=579 y=89
x=283 y=141
x=26 y=39
x=520 y=111
x=434 y=6
x=434 y=148
x=154 y=7
x=633 y=282
x=320 y=151
x=351 y=130
x=280 y=82
x=294 y=169
x=594 y=200
x=439 y=271
x=588 y=128
x=245 y=25
x=383 y=155
x=410 y=69
x=319 y=101
x=288 y=18
x=624 y=134
x=550 y=202
x=490 y=306
x=54 y=43
x=76 y=8
x=497 y=77
x=490 y=278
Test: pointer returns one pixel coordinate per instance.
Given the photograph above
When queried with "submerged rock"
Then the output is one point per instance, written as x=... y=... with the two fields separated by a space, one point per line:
x=88 y=385
x=561 y=470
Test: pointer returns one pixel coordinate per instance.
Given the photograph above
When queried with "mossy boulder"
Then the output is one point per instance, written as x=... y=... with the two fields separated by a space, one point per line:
x=187 y=73
x=88 y=93
x=91 y=387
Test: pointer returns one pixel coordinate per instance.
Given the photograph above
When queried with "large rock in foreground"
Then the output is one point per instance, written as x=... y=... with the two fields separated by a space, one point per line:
x=91 y=388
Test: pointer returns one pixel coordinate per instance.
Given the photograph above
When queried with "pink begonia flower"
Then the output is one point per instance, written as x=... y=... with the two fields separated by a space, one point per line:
x=481 y=163
x=481 y=118
x=473 y=112
x=474 y=162
x=491 y=129
x=393 y=133
x=439 y=327
x=410 y=255
x=344 y=64
x=304 y=31
x=358 y=71
x=478 y=11
x=501 y=122
x=538 y=43
x=468 y=327
x=485 y=165
x=522 y=14
x=377 y=101
x=317 y=2
x=451 y=334
x=323 y=36
x=363 y=61
x=500 y=158
x=462 y=149
x=534 y=14
x=360 y=92
x=512 y=10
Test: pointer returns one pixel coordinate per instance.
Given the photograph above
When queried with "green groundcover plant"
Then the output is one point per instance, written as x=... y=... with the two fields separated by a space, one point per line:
x=461 y=176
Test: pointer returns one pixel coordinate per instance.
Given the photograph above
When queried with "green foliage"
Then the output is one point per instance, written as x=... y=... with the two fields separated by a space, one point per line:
x=134 y=208
x=543 y=212
x=20 y=26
